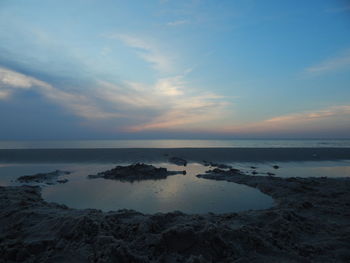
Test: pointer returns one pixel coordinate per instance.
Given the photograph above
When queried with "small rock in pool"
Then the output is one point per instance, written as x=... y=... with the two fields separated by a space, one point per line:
x=270 y=174
x=275 y=167
x=178 y=161
x=135 y=172
x=221 y=165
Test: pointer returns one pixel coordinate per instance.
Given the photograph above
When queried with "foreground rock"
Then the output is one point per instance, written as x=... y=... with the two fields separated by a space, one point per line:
x=310 y=223
x=136 y=172
x=44 y=178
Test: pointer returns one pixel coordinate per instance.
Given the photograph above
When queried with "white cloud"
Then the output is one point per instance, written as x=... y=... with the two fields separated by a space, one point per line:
x=167 y=104
x=339 y=62
x=11 y=79
x=148 y=51
x=80 y=105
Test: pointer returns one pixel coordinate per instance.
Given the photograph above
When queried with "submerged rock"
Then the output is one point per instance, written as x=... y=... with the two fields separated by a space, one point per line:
x=135 y=172
x=178 y=161
x=231 y=171
x=221 y=165
x=47 y=178
x=218 y=165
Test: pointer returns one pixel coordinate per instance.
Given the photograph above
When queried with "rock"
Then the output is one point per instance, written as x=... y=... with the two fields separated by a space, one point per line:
x=275 y=167
x=47 y=178
x=178 y=161
x=218 y=165
x=221 y=165
x=135 y=172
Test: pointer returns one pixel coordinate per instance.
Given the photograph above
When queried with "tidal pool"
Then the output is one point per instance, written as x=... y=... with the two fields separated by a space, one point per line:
x=185 y=193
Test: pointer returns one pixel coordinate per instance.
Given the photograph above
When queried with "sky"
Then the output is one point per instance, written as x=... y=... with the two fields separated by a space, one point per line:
x=167 y=69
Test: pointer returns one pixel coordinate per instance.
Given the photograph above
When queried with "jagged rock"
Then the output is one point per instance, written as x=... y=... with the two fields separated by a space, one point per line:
x=136 y=172
x=47 y=178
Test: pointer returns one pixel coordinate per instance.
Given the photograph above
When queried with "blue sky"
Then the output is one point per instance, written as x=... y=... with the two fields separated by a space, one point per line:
x=92 y=69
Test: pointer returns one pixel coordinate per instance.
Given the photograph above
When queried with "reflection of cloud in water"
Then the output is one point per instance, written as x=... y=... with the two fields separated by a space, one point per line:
x=178 y=192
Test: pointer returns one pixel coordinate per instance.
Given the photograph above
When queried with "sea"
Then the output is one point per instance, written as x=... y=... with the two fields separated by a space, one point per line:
x=239 y=143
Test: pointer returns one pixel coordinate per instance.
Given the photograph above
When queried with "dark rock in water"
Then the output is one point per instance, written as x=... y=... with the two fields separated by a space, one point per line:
x=205 y=163
x=235 y=171
x=254 y=172
x=219 y=171
x=47 y=178
x=215 y=171
x=275 y=166
x=62 y=181
x=136 y=172
x=178 y=161
x=221 y=165
x=218 y=165
x=270 y=174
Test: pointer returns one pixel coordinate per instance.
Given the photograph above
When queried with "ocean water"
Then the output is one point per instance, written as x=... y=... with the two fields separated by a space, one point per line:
x=239 y=143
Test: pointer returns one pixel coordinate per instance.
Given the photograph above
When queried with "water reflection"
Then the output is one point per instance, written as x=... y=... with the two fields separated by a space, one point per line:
x=186 y=193
x=298 y=169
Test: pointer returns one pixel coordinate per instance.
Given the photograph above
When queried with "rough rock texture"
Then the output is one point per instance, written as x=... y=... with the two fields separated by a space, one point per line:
x=136 y=172
x=46 y=178
x=218 y=165
x=310 y=223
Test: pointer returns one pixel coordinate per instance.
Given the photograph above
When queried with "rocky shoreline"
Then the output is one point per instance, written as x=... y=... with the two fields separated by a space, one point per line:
x=310 y=223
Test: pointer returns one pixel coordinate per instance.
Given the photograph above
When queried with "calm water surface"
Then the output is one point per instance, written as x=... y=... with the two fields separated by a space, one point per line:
x=186 y=193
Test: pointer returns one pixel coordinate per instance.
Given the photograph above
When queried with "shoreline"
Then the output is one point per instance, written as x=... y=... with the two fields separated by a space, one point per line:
x=162 y=154
x=309 y=223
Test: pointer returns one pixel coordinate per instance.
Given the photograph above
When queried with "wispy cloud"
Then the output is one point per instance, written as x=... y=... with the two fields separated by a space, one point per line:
x=167 y=104
x=4 y=94
x=341 y=9
x=80 y=105
x=178 y=22
x=336 y=63
x=148 y=51
x=318 y=120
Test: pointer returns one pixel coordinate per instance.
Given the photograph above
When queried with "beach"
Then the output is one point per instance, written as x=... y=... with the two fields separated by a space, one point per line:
x=309 y=222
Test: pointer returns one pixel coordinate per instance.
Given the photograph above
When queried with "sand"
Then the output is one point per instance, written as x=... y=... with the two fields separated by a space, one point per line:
x=309 y=223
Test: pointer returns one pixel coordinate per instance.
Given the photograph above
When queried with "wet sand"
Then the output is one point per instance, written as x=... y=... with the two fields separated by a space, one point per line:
x=309 y=223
